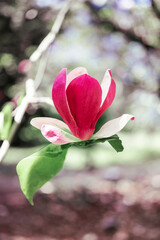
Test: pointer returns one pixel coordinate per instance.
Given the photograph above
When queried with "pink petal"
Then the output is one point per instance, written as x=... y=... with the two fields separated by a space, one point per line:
x=108 y=92
x=75 y=73
x=60 y=100
x=84 y=96
x=54 y=135
x=39 y=121
x=114 y=126
x=24 y=66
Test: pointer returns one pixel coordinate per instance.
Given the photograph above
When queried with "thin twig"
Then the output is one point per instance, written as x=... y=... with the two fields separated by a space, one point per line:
x=18 y=118
x=41 y=70
x=45 y=100
x=46 y=42
x=30 y=84
x=110 y=24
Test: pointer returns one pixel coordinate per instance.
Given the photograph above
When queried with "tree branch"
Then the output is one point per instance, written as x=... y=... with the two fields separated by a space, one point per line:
x=45 y=100
x=110 y=24
x=156 y=10
x=30 y=84
x=46 y=42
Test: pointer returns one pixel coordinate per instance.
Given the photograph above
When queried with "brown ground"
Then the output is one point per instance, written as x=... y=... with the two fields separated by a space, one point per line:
x=117 y=203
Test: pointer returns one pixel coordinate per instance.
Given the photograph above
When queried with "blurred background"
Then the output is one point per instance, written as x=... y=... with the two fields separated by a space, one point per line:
x=114 y=195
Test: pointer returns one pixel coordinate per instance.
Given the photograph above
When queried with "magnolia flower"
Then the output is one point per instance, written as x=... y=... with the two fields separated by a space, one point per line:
x=80 y=100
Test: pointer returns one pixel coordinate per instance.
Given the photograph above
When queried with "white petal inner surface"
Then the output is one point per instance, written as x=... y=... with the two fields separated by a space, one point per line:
x=75 y=73
x=39 y=121
x=114 y=126
x=106 y=82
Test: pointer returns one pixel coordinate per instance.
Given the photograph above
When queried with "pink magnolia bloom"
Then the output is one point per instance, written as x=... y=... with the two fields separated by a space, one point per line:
x=80 y=100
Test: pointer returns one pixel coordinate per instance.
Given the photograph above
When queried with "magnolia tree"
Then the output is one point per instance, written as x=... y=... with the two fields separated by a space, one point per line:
x=80 y=100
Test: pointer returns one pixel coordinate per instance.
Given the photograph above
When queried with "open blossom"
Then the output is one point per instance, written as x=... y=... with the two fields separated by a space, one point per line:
x=80 y=100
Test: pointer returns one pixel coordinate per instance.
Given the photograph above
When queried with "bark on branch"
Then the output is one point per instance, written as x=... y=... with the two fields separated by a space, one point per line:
x=30 y=83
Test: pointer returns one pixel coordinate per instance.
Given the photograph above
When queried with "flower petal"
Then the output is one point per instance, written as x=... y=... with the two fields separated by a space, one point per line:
x=114 y=126
x=84 y=96
x=75 y=73
x=108 y=92
x=60 y=100
x=54 y=135
x=39 y=121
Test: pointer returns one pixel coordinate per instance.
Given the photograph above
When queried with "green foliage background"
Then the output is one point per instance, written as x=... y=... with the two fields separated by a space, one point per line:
x=126 y=41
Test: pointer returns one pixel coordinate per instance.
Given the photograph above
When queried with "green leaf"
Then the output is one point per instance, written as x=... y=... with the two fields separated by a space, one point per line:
x=114 y=141
x=35 y=170
x=116 y=144
x=7 y=121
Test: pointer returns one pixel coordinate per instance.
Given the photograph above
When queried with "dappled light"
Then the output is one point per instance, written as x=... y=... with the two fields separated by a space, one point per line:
x=67 y=143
